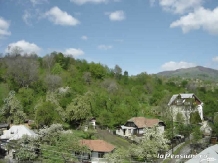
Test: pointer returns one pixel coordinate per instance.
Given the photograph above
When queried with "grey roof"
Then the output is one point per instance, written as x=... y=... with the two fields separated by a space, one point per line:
x=206 y=155
x=172 y=99
x=183 y=96
x=4 y=125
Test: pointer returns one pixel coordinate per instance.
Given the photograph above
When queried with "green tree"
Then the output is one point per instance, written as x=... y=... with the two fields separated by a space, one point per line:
x=26 y=97
x=79 y=110
x=46 y=114
x=97 y=70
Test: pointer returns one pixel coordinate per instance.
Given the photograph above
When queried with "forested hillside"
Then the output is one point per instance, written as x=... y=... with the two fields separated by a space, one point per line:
x=61 y=89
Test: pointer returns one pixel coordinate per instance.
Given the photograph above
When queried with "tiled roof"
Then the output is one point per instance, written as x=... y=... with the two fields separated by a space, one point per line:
x=98 y=145
x=142 y=122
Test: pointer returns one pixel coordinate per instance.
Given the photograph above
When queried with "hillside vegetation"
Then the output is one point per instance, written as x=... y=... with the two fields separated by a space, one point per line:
x=197 y=72
x=61 y=89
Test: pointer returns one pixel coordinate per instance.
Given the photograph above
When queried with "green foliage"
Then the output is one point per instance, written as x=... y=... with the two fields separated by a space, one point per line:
x=57 y=69
x=97 y=70
x=195 y=118
x=79 y=110
x=46 y=114
x=197 y=134
x=26 y=97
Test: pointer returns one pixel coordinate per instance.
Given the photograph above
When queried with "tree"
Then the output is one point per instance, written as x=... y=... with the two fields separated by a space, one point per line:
x=12 y=109
x=79 y=110
x=23 y=70
x=53 y=82
x=26 y=97
x=97 y=70
x=57 y=69
x=46 y=114
x=27 y=148
x=87 y=77
x=120 y=155
x=151 y=144
x=48 y=61
x=117 y=72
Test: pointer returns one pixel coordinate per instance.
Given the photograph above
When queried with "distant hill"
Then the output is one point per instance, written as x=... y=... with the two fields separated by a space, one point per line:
x=198 y=72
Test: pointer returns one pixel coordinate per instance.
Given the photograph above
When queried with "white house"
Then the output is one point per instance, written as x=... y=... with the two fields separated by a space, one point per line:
x=98 y=149
x=136 y=126
x=184 y=103
x=16 y=132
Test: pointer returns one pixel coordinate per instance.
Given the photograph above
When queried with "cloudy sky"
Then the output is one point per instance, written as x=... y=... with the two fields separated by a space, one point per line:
x=138 y=35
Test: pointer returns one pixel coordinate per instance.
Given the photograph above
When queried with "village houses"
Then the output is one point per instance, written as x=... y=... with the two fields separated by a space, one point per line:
x=136 y=126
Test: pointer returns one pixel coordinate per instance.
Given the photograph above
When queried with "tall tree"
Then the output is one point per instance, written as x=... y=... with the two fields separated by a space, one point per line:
x=117 y=72
x=79 y=110
x=23 y=70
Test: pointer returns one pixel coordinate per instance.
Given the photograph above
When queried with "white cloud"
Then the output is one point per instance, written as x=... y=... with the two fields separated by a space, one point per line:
x=200 y=18
x=215 y=59
x=180 y=6
x=84 y=38
x=26 y=47
x=116 y=16
x=105 y=47
x=152 y=2
x=176 y=65
x=81 y=2
x=4 y=26
x=60 y=17
x=26 y=17
x=37 y=2
x=73 y=52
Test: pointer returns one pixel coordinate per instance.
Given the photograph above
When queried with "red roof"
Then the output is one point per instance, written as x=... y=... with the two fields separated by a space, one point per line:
x=98 y=145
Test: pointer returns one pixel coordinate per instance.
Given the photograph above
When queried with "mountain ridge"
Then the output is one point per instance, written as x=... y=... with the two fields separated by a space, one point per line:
x=199 y=72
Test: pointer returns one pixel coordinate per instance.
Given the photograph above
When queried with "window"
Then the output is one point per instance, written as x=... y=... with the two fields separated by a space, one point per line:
x=100 y=154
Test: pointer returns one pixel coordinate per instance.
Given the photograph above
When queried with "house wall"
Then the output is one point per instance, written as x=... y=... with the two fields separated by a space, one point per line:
x=128 y=132
x=160 y=129
x=119 y=132
x=141 y=131
x=180 y=109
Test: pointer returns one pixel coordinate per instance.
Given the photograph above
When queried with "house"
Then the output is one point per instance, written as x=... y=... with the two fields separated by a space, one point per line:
x=185 y=104
x=16 y=132
x=93 y=122
x=210 y=154
x=136 y=125
x=98 y=149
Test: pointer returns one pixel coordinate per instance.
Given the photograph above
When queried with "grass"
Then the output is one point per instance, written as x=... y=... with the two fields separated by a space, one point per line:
x=113 y=139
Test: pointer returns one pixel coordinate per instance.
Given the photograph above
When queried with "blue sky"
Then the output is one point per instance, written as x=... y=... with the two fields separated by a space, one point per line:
x=138 y=35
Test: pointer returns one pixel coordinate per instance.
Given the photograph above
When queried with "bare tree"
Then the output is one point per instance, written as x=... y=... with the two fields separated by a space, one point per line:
x=87 y=77
x=48 y=61
x=23 y=70
x=53 y=82
x=117 y=72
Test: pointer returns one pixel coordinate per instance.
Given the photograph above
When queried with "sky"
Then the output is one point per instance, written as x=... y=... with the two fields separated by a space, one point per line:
x=138 y=35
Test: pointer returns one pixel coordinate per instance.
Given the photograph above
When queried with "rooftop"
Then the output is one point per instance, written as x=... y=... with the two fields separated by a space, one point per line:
x=98 y=145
